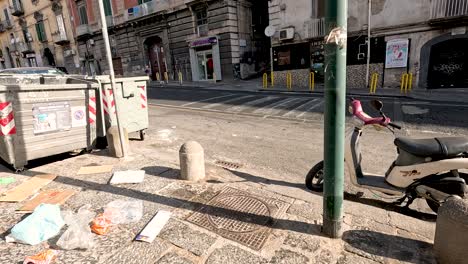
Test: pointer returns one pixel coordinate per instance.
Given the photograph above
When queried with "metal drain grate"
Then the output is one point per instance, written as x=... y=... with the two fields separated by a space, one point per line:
x=228 y=165
x=240 y=216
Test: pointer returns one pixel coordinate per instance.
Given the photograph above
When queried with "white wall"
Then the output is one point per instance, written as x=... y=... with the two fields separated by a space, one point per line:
x=295 y=14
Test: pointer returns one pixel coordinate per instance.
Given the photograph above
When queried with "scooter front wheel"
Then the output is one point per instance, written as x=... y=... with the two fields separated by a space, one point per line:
x=314 y=179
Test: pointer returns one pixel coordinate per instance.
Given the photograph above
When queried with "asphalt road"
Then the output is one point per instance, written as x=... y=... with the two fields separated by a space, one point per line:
x=442 y=116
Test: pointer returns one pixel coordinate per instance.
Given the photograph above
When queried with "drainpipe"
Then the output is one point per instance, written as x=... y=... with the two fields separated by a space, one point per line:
x=368 y=41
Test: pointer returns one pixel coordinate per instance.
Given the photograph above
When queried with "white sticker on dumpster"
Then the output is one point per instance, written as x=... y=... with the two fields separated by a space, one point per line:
x=51 y=117
x=78 y=115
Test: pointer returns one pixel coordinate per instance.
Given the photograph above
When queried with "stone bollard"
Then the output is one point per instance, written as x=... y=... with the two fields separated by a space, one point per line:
x=192 y=161
x=113 y=141
x=451 y=237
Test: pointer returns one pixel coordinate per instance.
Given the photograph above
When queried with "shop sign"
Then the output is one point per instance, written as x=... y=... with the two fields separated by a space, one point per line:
x=203 y=42
x=397 y=53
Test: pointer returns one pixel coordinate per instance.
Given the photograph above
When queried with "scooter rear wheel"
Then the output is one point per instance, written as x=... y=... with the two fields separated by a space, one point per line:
x=314 y=179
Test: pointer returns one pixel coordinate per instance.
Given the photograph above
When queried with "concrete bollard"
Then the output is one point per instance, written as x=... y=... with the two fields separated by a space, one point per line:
x=113 y=141
x=192 y=161
x=451 y=237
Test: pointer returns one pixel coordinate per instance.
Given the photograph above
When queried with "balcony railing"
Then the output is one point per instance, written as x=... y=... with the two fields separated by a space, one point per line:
x=61 y=39
x=17 y=8
x=441 y=9
x=146 y=9
x=83 y=30
x=24 y=47
x=314 y=28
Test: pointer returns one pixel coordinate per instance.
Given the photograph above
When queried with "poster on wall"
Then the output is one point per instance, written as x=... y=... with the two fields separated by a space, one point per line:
x=397 y=53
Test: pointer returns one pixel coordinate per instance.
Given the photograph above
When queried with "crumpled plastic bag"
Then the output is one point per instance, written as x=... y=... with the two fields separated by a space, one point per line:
x=44 y=223
x=78 y=235
x=124 y=211
x=44 y=257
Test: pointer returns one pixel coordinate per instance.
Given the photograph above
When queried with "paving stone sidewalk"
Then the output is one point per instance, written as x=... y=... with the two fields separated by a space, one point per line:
x=244 y=221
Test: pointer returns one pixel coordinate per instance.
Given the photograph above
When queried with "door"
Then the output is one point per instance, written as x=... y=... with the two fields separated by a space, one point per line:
x=205 y=65
x=32 y=62
x=448 y=64
x=118 y=69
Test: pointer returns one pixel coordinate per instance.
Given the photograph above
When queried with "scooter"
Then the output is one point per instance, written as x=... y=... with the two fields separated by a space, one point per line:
x=425 y=168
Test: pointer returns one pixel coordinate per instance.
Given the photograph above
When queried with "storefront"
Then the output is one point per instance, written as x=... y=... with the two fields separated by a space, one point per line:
x=205 y=59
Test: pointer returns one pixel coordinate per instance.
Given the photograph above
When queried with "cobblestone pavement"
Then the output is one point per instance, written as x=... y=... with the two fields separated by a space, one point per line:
x=372 y=235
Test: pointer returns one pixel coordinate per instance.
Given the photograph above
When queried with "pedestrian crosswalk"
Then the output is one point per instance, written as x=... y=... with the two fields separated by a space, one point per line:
x=290 y=107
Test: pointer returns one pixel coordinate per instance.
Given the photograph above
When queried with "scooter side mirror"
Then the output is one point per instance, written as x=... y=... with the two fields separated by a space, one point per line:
x=377 y=105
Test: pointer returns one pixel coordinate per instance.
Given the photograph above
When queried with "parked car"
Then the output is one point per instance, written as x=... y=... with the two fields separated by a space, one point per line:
x=33 y=70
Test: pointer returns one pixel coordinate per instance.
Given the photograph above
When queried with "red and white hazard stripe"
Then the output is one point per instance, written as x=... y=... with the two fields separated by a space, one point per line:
x=92 y=110
x=7 y=120
x=106 y=98
x=144 y=101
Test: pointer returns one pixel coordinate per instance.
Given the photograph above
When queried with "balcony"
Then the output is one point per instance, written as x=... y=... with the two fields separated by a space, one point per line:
x=314 y=28
x=61 y=39
x=448 y=11
x=145 y=9
x=83 y=31
x=17 y=8
x=24 y=47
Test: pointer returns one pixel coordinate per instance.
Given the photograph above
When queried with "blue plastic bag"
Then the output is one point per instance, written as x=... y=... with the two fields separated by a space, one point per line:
x=44 y=223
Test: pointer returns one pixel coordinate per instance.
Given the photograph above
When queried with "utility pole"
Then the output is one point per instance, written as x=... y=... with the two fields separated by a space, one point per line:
x=335 y=105
x=105 y=37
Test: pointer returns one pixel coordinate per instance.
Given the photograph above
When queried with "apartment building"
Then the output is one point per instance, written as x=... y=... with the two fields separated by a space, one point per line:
x=203 y=39
x=37 y=33
x=427 y=38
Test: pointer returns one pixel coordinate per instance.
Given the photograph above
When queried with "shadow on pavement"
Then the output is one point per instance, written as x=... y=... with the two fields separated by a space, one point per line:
x=252 y=178
x=388 y=246
x=282 y=224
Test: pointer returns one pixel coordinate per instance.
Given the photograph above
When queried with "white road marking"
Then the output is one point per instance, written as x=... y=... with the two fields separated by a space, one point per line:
x=300 y=108
x=209 y=99
x=240 y=108
x=270 y=109
x=414 y=110
x=227 y=101
x=311 y=108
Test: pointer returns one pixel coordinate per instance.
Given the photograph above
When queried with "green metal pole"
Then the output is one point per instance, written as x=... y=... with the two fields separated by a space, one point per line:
x=335 y=107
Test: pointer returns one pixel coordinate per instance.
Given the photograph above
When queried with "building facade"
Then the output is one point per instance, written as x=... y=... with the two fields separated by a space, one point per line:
x=37 y=33
x=203 y=40
x=426 y=38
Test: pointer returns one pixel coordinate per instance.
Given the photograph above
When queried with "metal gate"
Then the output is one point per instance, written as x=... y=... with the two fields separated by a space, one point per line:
x=448 y=64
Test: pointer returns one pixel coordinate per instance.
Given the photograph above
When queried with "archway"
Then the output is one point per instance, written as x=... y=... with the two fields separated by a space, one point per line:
x=155 y=54
x=444 y=62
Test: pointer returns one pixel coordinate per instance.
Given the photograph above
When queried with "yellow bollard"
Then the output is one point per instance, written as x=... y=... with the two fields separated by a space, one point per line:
x=289 y=81
x=410 y=82
x=312 y=81
x=166 y=77
x=373 y=84
x=265 y=81
x=272 y=79
x=404 y=83
x=158 y=77
x=214 y=77
x=181 y=79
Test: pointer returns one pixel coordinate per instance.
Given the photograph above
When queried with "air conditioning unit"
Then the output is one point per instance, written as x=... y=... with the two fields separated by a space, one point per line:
x=287 y=33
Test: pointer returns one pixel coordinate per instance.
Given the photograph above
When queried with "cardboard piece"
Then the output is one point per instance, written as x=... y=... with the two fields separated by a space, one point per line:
x=27 y=188
x=95 y=169
x=130 y=176
x=155 y=225
x=49 y=197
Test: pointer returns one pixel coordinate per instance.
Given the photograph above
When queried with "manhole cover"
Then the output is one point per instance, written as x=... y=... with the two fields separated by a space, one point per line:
x=240 y=216
x=228 y=165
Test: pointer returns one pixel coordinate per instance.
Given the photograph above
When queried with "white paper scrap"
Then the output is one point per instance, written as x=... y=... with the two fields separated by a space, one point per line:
x=152 y=229
x=129 y=176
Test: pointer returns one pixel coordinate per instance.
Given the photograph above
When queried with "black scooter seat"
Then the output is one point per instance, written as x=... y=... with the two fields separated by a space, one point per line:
x=444 y=147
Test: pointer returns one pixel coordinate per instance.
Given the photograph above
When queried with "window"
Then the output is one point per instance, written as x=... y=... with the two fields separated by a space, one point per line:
x=82 y=13
x=27 y=36
x=7 y=17
x=40 y=30
x=107 y=8
x=202 y=22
